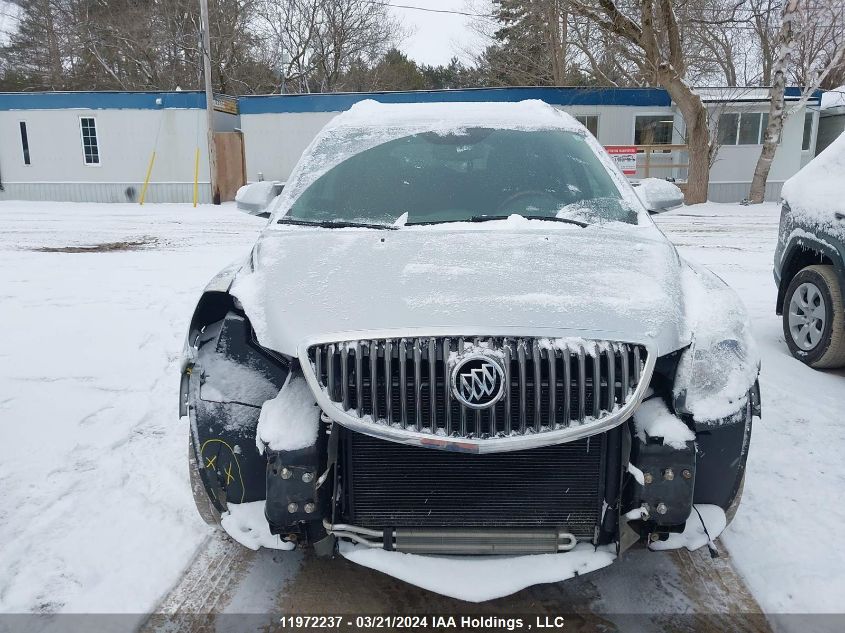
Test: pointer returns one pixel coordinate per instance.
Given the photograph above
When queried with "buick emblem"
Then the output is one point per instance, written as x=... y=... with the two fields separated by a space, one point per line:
x=478 y=381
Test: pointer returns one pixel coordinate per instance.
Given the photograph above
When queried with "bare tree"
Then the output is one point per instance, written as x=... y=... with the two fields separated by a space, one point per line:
x=798 y=25
x=652 y=28
x=350 y=30
x=287 y=30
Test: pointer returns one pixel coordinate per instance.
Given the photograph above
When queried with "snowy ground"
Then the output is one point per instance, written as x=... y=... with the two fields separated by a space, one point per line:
x=97 y=513
x=784 y=537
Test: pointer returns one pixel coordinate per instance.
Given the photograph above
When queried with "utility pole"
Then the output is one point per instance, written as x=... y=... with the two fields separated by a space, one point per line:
x=209 y=102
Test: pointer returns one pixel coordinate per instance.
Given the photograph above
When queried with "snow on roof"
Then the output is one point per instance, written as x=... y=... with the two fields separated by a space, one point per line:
x=531 y=113
x=834 y=98
x=749 y=94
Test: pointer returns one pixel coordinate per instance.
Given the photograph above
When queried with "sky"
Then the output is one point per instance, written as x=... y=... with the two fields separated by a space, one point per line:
x=437 y=37
x=434 y=37
x=8 y=19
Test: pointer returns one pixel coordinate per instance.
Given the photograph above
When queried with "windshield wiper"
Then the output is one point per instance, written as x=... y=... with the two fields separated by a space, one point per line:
x=336 y=224
x=548 y=218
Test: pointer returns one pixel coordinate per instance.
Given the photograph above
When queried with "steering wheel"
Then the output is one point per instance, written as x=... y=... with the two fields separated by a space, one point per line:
x=519 y=195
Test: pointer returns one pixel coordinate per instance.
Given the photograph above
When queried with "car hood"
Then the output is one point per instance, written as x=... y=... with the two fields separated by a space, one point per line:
x=600 y=281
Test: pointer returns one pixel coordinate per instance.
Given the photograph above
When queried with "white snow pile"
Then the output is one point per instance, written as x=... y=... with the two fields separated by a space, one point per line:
x=695 y=535
x=833 y=98
x=653 y=419
x=715 y=374
x=637 y=474
x=817 y=192
x=528 y=114
x=246 y=523
x=291 y=420
x=477 y=579
x=223 y=381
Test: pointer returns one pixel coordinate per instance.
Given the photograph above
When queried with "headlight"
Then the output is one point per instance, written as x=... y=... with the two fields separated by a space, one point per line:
x=713 y=378
x=718 y=369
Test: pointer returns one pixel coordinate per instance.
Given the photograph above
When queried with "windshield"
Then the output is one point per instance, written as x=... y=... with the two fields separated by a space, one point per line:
x=475 y=174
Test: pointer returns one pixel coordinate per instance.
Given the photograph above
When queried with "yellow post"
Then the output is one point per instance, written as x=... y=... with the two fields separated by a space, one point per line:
x=196 y=175
x=147 y=179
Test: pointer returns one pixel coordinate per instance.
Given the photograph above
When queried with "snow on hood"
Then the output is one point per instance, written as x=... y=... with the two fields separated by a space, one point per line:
x=481 y=578
x=599 y=281
x=817 y=192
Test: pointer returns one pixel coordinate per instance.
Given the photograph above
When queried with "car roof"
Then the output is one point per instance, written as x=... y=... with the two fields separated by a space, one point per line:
x=529 y=114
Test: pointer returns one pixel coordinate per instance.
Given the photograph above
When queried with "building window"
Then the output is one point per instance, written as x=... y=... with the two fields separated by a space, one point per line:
x=728 y=128
x=24 y=143
x=90 y=147
x=653 y=130
x=808 y=131
x=589 y=121
x=746 y=128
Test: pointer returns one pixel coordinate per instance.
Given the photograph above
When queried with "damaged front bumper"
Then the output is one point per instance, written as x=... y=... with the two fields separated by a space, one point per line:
x=310 y=496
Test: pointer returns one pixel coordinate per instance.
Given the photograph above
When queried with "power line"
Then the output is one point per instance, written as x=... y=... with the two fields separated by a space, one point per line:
x=427 y=9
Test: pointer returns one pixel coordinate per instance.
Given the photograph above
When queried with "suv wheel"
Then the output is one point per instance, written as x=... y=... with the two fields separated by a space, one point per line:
x=814 y=318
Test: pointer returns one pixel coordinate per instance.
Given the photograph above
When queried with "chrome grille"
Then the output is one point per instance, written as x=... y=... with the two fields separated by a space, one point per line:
x=551 y=384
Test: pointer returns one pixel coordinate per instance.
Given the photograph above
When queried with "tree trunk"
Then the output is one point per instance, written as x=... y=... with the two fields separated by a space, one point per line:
x=786 y=36
x=694 y=113
x=761 y=171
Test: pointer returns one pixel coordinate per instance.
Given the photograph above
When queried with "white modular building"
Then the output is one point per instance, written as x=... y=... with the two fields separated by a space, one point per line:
x=279 y=127
x=97 y=146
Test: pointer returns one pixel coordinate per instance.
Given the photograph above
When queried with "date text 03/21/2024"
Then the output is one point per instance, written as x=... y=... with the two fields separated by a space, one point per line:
x=304 y=622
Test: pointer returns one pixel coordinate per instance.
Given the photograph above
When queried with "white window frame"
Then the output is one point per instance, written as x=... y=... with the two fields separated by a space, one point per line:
x=668 y=115
x=28 y=144
x=577 y=117
x=761 y=131
x=813 y=123
x=99 y=162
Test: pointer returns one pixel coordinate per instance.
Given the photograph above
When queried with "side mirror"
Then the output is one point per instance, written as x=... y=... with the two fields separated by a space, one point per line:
x=255 y=198
x=659 y=195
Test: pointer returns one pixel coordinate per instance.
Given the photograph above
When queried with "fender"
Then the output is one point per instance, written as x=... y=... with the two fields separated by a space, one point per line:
x=795 y=250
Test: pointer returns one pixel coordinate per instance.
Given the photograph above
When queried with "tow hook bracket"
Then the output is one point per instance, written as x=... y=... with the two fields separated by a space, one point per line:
x=669 y=480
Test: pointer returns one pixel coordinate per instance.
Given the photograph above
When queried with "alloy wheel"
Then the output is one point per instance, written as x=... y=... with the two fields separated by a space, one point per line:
x=807 y=316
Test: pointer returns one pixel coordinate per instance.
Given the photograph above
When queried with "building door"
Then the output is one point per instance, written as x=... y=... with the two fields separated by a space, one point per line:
x=231 y=166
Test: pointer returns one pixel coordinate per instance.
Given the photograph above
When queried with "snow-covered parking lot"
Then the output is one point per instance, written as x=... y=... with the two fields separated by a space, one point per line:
x=97 y=513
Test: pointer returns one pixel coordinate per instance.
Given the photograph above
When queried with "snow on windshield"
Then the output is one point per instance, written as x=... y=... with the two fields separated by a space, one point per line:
x=369 y=124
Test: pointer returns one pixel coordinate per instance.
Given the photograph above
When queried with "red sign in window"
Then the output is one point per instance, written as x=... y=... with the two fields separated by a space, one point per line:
x=625 y=157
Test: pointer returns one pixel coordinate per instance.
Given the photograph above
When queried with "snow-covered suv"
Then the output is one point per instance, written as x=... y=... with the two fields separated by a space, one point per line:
x=810 y=260
x=461 y=333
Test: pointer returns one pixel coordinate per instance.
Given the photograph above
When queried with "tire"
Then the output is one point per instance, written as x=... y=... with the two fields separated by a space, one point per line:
x=205 y=507
x=814 y=318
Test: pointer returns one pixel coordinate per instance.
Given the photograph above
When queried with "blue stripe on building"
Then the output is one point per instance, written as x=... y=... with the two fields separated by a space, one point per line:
x=101 y=100
x=337 y=102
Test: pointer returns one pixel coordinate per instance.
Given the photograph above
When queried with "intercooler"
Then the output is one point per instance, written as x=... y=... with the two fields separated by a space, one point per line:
x=392 y=485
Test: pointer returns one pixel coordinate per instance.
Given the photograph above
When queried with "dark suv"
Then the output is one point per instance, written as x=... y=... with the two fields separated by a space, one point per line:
x=810 y=265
